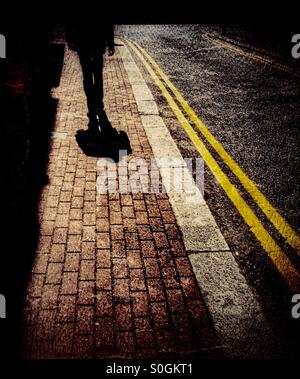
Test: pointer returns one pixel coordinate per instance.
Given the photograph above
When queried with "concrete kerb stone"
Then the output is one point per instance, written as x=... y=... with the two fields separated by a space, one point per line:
x=147 y=107
x=236 y=313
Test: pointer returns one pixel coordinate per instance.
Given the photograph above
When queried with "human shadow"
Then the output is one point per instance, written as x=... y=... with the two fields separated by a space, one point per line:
x=106 y=142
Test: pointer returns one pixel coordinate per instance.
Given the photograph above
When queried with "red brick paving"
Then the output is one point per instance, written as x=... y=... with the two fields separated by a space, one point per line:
x=111 y=277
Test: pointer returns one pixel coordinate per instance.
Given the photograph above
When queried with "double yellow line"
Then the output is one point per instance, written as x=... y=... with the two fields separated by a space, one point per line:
x=278 y=257
x=244 y=51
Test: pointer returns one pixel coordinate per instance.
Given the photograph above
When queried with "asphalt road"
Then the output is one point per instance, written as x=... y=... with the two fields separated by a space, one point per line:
x=253 y=109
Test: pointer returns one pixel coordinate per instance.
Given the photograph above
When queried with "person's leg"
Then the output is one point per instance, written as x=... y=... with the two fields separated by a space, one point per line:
x=104 y=123
x=97 y=67
x=88 y=84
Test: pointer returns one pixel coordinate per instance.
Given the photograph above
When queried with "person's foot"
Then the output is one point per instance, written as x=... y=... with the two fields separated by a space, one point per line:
x=93 y=128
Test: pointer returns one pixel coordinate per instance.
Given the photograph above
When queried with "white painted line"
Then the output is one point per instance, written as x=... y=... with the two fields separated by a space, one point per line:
x=237 y=315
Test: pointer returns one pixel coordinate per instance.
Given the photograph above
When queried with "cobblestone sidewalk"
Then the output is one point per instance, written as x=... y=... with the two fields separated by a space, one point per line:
x=111 y=278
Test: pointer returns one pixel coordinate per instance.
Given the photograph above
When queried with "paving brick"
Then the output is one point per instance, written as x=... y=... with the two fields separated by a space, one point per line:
x=103 y=241
x=69 y=283
x=121 y=290
x=75 y=227
x=126 y=200
x=65 y=196
x=120 y=268
x=66 y=308
x=153 y=212
x=148 y=249
x=144 y=232
x=102 y=211
x=88 y=250
x=50 y=296
x=72 y=262
x=144 y=339
x=140 y=304
x=84 y=320
x=128 y=212
x=164 y=205
x=103 y=259
x=150 y=199
x=118 y=249
x=117 y=232
x=89 y=234
x=190 y=287
x=102 y=200
x=172 y=231
x=141 y=217
x=114 y=205
x=139 y=205
x=169 y=271
x=160 y=315
x=64 y=339
x=175 y=300
x=125 y=344
x=47 y=228
x=75 y=214
x=183 y=266
x=104 y=334
x=132 y=241
x=103 y=279
x=49 y=214
x=54 y=273
x=152 y=268
x=62 y=221
x=52 y=201
x=89 y=219
x=64 y=208
x=177 y=248
x=87 y=270
x=156 y=289
x=161 y=240
x=142 y=323
x=88 y=207
x=57 y=253
x=74 y=243
x=123 y=317
x=86 y=290
x=115 y=218
x=134 y=259
x=44 y=244
x=60 y=235
x=40 y=264
x=156 y=224
x=168 y=217
x=104 y=305
x=35 y=287
x=137 y=281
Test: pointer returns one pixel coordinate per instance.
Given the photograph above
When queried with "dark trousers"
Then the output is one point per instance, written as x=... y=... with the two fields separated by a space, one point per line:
x=92 y=70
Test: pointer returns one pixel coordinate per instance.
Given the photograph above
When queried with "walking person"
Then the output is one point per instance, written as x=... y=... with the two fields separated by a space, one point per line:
x=91 y=40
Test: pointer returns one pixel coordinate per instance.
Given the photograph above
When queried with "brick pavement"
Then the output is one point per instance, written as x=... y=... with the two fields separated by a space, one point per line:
x=111 y=278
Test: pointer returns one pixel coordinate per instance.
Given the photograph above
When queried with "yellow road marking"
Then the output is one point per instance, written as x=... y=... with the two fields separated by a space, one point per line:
x=279 y=259
x=287 y=232
x=252 y=55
